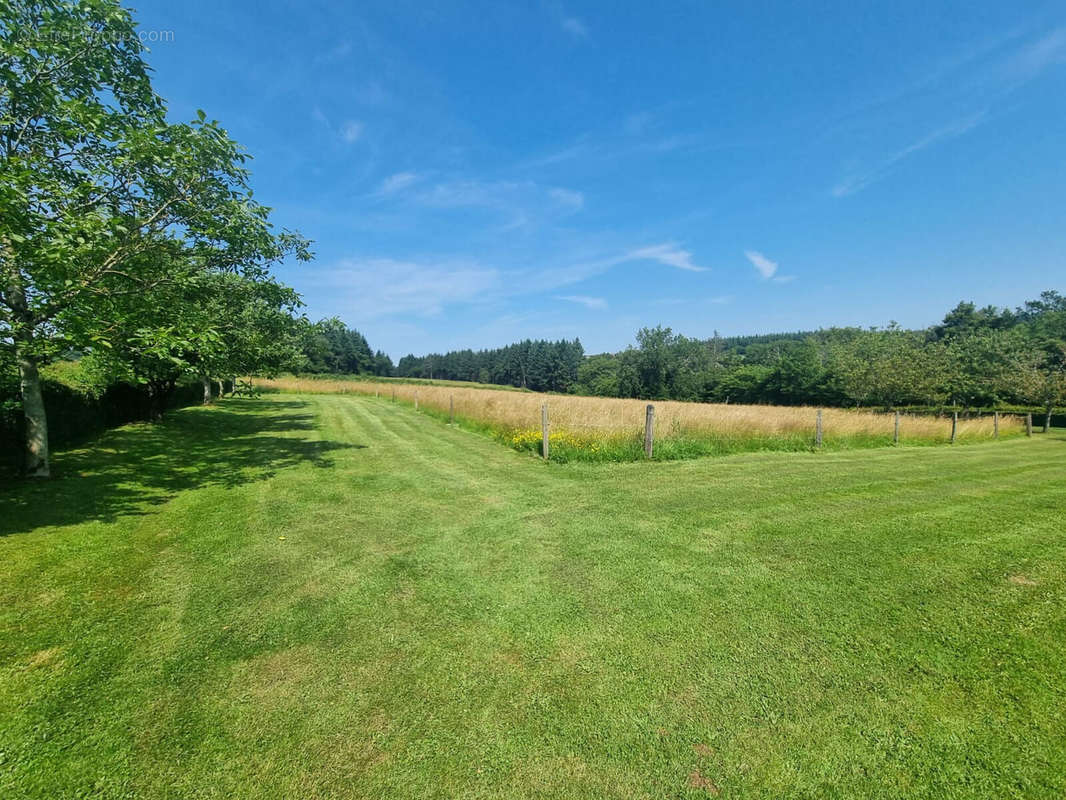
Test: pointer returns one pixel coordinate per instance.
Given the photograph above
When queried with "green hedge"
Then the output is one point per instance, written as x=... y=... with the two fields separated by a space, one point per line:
x=77 y=411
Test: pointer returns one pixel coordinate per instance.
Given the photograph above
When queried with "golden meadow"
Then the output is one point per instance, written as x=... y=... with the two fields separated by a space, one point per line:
x=612 y=429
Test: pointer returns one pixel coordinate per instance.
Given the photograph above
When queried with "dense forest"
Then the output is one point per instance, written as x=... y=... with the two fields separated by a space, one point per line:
x=330 y=346
x=539 y=365
x=976 y=357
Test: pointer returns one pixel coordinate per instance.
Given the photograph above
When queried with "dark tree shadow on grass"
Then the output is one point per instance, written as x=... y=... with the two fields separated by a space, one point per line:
x=129 y=470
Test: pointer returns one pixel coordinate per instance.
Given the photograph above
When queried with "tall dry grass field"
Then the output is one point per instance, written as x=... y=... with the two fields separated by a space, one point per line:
x=609 y=428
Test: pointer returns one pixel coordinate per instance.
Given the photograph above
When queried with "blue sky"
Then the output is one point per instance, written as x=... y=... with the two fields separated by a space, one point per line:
x=477 y=173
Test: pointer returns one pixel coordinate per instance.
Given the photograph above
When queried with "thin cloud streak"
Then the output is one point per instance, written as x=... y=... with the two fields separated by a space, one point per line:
x=858 y=181
x=592 y=303
x=610 y=149
x=508 y=195
x=568 y=197
x=718 y=300
x=377 y=287
x=396 y=182
x=1037 y=56
x=669 y=254
x=973 y=78
x=765 y=266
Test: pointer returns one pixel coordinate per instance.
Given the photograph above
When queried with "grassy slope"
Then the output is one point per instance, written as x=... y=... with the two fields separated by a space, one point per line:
x=446 y=617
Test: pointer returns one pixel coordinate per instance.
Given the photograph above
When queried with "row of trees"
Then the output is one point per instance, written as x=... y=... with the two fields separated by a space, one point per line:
x=975 y=357
x=124 y=237
x=533 y=364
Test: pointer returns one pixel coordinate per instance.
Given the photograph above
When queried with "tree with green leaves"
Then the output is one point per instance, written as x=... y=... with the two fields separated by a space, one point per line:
x=101 y=197
x=598 y=375
x=215 y=326
x=1044 y=379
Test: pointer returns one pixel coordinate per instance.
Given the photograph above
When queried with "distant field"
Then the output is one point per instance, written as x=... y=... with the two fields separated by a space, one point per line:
x=611 y=429
x=320 y=596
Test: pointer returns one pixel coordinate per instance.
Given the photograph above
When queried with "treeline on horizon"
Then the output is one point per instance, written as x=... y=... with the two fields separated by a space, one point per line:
x=974 y=358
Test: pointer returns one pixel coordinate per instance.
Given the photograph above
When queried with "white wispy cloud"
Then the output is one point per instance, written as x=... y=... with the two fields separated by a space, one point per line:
x=765 y=266
x=515 y=204
x=861 y=178
x=474 y=192
x=606 y=149
x=459 y=193
x=668 y=253
x=574 y=27
x=375 y=287
x=568 y=197
x=566 y=274
x=981 y=76
x=718 y=300
x=351 y=131
x=593 y=303
x=1035 y=57
x=397 y=181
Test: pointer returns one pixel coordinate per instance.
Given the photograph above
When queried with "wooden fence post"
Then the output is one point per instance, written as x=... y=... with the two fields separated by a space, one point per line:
x=954 y=426
x=394 y=394
x=451 y=409
x=1029 y=424
x=895 y=432
x=649 y=430
x=544 y=431
x=818 y=429
x=416 y=399
x=995 y=424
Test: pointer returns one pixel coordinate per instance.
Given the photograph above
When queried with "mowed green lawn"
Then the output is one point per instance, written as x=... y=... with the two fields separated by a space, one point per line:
x=332 y=596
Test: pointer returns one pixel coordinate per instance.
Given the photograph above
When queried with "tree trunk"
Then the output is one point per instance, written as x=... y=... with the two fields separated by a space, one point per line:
x=153 y=401
x=1047 y=418
x=36 y=453
x=35 y=464
x=159 y=392
x=221 y=387
x=207 y=390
